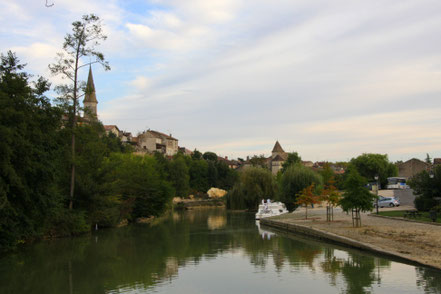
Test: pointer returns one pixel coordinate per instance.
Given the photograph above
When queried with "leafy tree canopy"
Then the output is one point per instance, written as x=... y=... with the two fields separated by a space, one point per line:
x=369 y=165
x=210 y=156
x=356 y=196
x=295 y=179
x=426 y=188
x=254 y=184
x=29 y=152
x=258 y=161
x=293 y=158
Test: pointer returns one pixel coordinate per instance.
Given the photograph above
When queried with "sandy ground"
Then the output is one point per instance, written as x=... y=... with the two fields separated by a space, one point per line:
x=415 y=241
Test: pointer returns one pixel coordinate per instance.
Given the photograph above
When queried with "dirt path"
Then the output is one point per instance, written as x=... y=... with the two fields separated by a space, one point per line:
x=414 y=241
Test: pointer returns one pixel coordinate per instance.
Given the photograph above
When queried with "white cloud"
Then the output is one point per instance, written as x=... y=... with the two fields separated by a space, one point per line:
x=326 y=79
x=141 y=83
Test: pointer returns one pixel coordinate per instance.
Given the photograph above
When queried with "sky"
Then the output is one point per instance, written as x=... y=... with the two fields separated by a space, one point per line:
x=328 y=79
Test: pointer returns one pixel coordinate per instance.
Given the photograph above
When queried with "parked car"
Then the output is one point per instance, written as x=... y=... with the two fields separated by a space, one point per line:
x=387 y=202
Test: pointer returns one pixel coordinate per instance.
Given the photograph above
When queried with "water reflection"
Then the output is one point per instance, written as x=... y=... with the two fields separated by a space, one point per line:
x=143 y=258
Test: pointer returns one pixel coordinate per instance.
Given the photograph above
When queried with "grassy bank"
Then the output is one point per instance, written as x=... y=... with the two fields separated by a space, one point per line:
x=425 y=216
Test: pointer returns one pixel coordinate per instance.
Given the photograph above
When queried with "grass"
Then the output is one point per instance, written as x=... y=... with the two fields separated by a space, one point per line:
x=400 y=213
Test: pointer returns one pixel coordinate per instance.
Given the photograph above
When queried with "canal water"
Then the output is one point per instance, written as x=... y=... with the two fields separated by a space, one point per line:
x=205 y=251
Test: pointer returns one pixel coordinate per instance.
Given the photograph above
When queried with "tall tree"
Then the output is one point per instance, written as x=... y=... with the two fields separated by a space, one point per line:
x=356 y=197
x=426 y=187
x=29 y=126
x=428 y=159
x=86 y=35
x=370 y=165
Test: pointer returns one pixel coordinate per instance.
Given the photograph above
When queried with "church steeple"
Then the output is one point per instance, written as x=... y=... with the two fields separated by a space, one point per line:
x=90 y=102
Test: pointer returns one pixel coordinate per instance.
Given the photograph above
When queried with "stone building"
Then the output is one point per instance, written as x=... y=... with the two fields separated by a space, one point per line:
x=153 y=141
x=412 y=167
x=90 y=102
x=277 y=158
x=112 y=129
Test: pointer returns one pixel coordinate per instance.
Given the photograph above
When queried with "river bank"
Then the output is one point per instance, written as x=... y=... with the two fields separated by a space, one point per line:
x=416 y=242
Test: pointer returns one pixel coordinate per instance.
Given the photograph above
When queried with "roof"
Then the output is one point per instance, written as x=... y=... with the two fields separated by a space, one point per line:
x=90 y=89
x=110 y=127
x=161 y=135
x=415 y=159
x=277 y=147
x=278 y=158
x=437 y=161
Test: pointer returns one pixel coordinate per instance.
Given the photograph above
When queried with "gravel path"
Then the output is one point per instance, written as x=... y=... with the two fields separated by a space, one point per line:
x=415 y=241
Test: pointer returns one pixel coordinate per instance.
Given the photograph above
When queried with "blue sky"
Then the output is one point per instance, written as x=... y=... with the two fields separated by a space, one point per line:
x=328 y=79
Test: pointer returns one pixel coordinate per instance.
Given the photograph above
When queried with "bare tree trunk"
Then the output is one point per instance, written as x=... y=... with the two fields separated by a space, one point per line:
x=72 y=179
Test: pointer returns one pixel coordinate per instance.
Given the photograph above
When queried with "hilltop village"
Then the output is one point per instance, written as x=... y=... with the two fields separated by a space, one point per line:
x=151 y=141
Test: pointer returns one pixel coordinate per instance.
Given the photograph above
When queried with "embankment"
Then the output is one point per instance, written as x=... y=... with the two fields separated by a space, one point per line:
x=414 y=242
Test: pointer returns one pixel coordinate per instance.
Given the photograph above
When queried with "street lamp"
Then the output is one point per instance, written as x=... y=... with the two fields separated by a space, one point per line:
x=376 y=191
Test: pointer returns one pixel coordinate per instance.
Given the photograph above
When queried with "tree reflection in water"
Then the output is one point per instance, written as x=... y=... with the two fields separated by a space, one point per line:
x=141 y=256
x=429 y=280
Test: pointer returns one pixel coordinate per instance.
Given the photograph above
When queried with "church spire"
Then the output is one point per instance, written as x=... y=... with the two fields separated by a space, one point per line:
x=90 y=95
x=90 y=102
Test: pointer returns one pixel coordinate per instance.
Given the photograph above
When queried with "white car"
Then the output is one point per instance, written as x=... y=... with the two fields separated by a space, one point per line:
x=387 y=202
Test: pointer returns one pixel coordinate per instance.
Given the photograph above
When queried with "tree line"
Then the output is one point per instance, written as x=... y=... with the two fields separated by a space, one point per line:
x=111 y=183
x=297 y=185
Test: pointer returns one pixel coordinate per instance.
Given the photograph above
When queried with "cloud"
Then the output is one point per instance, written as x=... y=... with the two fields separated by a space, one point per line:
x=330 y=80
x=141 y=83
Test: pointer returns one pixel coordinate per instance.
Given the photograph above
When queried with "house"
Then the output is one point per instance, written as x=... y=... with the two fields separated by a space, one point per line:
x=126 y=137
x=307 y=163
x=112 y=129
x=412 y=167
x=154 y=141
x=185 y=151
x=233 y=164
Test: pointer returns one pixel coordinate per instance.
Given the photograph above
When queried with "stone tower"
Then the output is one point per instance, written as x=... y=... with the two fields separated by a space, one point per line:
x=278 y=150
x=90 y=102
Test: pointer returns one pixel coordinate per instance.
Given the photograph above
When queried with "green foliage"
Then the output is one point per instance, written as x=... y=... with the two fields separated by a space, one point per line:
x=179 y=177
x=356 y=196
x=69 y=223
x=293 y=158
x=80 y=44
x=210 y=156
x=428 y=159
x=330 y=193
x=226 y=177
x=136 y=183
x=196 y=155
x=258 y=161
x=426 y=188
x=295 y=179
x=369 y=165
x=199 y=175
x=327 y=172
x=254 y=184
x=28 y=154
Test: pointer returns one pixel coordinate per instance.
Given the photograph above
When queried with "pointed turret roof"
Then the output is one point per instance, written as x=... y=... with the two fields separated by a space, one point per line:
x=278 y=148
x=90 y=89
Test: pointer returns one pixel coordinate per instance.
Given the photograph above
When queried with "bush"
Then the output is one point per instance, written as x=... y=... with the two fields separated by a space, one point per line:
x=70 y=223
